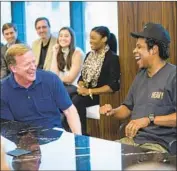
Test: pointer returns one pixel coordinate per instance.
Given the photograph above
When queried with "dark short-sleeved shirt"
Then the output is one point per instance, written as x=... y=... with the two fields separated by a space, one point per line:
x=155 y=95
x=43 y=53
x=39 y=105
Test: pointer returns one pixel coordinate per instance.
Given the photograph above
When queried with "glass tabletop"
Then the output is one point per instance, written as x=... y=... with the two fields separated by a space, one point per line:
x=55 y=149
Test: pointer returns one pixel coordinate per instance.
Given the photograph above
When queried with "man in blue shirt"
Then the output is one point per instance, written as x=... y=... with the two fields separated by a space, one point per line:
x=34 y=96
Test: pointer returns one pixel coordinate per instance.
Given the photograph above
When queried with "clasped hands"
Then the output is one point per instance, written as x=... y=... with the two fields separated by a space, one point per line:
x=133 y=126
x=81 y=90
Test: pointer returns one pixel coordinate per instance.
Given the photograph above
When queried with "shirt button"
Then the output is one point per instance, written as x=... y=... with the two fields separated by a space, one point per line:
x=29 y=97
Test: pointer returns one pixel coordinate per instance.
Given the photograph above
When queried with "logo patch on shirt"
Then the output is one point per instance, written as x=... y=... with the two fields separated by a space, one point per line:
x=157 y=95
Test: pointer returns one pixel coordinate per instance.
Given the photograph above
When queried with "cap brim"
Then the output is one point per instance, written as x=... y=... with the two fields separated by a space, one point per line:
x=137 y=35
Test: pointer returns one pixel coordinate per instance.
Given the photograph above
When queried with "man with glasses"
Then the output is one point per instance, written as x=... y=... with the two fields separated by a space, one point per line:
x=42 y=47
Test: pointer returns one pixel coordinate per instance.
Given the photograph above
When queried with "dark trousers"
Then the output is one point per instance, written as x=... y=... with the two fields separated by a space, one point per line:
x=81 y=102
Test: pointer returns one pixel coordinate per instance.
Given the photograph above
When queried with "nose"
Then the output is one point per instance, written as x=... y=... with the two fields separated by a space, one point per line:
x=41 y=29
x=33 y=66
x=63 y=38
x=135 y=50
x=10 y=36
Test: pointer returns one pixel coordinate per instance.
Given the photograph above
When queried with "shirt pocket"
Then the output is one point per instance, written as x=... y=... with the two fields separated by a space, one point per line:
x=45 y=105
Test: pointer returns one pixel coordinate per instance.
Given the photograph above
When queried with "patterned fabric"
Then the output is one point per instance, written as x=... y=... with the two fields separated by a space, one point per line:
x=150 y=146
x=92 y=67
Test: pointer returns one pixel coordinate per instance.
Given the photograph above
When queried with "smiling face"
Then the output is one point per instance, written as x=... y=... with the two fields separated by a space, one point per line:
x=64 y=38
x=43 y=29
x=10 y=35
x=97 y=42
x=25 y=69
x=143 y=56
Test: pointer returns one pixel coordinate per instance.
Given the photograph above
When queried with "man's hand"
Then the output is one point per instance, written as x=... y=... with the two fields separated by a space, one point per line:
x=107 y=110
x=134 y=125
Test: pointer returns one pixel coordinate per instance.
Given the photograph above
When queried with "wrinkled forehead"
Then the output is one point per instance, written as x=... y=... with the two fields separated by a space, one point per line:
x=29 y=54
x=41 y=23
x=26 y=57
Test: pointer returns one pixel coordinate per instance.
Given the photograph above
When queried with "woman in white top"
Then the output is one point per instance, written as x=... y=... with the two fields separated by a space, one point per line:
x=67 y=59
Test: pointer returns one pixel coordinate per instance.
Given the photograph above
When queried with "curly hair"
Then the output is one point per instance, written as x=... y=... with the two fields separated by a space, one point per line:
x=163 y=47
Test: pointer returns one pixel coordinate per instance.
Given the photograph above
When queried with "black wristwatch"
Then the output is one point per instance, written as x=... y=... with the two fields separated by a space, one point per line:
x=151 y=117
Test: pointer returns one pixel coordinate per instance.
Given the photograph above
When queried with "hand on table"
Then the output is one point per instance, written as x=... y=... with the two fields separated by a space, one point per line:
x=134 y=125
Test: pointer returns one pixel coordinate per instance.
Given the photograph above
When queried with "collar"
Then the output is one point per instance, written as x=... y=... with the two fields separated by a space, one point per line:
x=103 y=51
x=14 y=84
x=157 y=71
x=10 y=44
x=43 y=46
x=14 y=42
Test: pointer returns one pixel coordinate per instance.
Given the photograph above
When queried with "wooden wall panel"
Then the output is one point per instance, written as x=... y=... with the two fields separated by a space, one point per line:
x=132 y=16
x=106 y=127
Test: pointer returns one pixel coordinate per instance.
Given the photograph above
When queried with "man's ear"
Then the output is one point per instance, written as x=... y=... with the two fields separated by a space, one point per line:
x=12 y=68
x=155 y=50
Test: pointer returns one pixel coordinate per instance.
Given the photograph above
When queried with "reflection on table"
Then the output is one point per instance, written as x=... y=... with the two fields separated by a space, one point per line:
x=53 y=149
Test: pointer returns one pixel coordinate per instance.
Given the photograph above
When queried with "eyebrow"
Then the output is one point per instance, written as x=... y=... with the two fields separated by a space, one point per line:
x=64 y=34
x=43 y=26
x=9 y=32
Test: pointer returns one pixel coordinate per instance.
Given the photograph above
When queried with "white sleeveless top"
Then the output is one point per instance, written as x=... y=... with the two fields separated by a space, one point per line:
x=66 y=71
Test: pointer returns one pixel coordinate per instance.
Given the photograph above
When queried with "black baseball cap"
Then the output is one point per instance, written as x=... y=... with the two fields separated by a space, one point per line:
x=154 y=31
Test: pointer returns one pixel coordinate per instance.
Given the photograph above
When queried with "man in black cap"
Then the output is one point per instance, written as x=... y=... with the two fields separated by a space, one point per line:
x=151 y=100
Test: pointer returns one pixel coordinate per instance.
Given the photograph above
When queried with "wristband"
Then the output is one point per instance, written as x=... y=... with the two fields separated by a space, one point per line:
x=90 y=94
